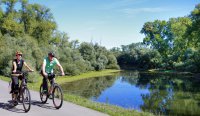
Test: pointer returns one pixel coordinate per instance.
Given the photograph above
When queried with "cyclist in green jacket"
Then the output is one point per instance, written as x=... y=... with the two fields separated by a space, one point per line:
x=47 y=70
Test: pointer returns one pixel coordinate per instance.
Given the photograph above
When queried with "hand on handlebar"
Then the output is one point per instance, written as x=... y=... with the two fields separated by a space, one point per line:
x=45 y=74
x=14 y=71
x=17 y=74
x=31 y=70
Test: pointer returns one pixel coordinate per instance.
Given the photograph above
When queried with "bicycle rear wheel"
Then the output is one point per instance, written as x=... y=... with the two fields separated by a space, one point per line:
x=43 y=95
x=26 y=99
x=57 y=96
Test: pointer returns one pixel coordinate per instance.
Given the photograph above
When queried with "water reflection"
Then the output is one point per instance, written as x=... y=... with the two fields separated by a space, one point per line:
x=89 y=87
x=171 y=95
x=156 y=93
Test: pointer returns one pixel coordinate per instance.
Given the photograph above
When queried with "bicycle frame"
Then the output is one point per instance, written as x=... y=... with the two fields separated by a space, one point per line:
x=23 y=80
x=23 y=92
x=44 y=96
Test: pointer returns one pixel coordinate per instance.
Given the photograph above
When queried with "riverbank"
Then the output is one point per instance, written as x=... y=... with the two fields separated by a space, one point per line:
x=168 y=72
x=160 y=71
x=105 y=108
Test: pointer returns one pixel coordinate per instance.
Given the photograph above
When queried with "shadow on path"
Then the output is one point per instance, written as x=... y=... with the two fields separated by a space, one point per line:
x=10 y=107
x=42 y=105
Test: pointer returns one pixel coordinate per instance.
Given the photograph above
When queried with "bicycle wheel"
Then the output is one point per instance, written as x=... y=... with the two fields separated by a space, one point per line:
x=43 y=95
x=26 y=99
x=57 y=96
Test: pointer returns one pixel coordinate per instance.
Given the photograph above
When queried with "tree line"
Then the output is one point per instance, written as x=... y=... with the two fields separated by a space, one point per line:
x=31 y=28
x=172 y=44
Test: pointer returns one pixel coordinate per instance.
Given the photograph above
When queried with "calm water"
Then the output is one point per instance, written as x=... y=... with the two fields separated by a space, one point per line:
x=159 y=94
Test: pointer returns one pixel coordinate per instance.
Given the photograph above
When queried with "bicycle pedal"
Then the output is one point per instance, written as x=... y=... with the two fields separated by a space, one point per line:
x=19 y=97
x=15 y=103
x=50 y=96
x=44 y=92
x=26 y=98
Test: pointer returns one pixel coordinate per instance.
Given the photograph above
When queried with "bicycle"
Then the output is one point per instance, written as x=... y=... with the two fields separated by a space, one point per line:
x=57 y=93
x=23 y=94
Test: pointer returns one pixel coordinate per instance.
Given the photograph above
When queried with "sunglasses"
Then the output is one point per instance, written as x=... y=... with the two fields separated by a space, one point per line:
x=18 y=55
x=50 y=55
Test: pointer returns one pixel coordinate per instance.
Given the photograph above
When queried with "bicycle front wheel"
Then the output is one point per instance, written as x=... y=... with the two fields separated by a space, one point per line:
x=26 y=99
x=57 y=96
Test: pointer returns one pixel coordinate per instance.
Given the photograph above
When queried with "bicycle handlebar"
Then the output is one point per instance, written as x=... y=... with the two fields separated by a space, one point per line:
x=21 y=73
x=60 y=75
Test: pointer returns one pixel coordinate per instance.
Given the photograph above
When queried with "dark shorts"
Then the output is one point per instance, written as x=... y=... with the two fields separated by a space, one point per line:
x=15 y=82
x=50 y=77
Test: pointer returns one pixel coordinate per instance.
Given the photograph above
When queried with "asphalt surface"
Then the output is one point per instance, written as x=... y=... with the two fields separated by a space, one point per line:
x=39 y=109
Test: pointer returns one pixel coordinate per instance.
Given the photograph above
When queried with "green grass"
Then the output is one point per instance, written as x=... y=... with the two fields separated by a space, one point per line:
x=92 y=74
x=105 y=108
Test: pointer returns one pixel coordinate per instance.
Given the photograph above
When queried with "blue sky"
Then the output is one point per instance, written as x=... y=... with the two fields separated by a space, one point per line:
x=112 y=23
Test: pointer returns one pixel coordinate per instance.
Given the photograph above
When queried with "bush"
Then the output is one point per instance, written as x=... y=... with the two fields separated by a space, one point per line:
x=33 y=77
x=179 y=66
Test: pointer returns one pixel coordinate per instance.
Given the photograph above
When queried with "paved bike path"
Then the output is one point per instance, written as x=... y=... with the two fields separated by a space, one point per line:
x=38 y=109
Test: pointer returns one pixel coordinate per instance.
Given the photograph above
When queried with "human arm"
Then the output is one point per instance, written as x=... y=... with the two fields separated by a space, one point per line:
x=14 y=67
x=61 y=68
x=28 y=67
x=43 y=68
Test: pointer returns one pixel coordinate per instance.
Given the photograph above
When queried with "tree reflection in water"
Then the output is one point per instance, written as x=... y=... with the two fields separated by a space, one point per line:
x=169 y=94
x=89 y=87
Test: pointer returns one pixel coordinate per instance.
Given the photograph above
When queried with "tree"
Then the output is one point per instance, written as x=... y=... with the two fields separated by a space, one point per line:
x=116 y=51
x=177 y=28
x=194 y=30
x=38 y=21
x=74 y=44
x=88 y=53
x=10 y=19
x=60 y=39
x=156 y=35
x=112 y=62
x=10 y=5
x=31 y=29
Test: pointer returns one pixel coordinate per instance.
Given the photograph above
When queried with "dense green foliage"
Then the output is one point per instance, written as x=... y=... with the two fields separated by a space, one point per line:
x=32 y=29
x=172 y=44
x=137 y=55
